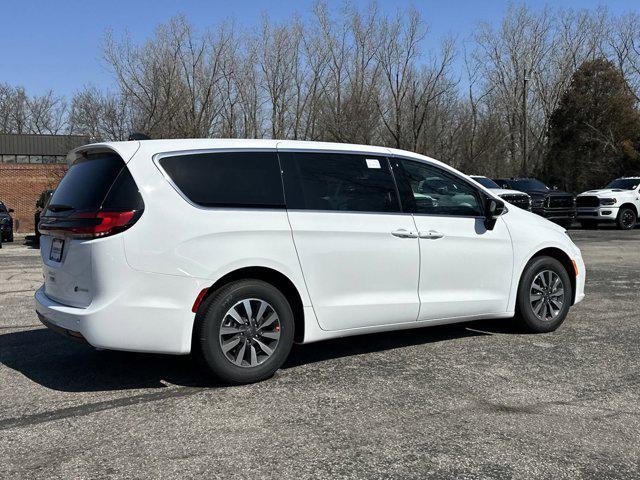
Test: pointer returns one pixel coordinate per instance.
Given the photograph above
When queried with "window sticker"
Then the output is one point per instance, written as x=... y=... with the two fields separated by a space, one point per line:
x=373 y=163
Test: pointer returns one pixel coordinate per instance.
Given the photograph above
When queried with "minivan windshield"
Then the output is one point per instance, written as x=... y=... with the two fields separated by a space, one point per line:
x=624 y=183
x=3 y=209
x=86 y=184
x=486 y=182
x=527 y=184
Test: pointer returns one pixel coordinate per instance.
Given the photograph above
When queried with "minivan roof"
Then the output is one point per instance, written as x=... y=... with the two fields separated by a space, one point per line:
x=128 y=149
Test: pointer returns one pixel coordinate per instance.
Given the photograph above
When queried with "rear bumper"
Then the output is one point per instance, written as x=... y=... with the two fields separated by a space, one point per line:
x=600 y=214
x=152 y=314
x=62 y=331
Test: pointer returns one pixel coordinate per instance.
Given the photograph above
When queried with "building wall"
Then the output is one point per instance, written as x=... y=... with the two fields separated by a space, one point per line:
x=21 y=186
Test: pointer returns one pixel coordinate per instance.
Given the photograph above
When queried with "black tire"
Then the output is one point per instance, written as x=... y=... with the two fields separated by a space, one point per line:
x=212 y=314
x=627 y=219
x=10 y=237
x=589 y=224
x=525 y=310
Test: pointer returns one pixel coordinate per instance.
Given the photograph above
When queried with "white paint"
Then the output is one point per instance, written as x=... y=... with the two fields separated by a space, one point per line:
x=353 y=275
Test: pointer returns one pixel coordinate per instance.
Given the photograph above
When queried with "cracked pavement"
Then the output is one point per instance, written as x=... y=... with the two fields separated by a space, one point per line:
x=476 y=400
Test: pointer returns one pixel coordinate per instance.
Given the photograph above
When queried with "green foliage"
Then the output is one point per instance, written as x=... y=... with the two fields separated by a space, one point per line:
x=594 y=133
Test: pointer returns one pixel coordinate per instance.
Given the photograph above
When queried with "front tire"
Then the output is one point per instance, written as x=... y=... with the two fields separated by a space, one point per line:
x=544 y=295
x=627 y=219
x=244 y=331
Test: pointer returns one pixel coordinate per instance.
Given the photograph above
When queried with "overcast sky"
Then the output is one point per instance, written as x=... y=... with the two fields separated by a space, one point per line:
x=57 y=44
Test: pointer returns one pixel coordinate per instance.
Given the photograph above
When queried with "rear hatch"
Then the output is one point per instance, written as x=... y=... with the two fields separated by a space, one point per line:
x=97 y=198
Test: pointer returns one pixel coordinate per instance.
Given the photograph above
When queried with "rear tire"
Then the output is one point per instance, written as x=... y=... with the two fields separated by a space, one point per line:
x=244 y=343
x=544 y=295
x=627 y=219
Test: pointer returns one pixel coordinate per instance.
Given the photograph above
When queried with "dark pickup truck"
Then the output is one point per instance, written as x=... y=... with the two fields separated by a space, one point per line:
x=557 y=206
x=6 y=224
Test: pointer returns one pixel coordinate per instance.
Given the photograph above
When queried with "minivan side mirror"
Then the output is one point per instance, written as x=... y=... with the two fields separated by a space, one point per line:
x=493 y=208
x=10 y=210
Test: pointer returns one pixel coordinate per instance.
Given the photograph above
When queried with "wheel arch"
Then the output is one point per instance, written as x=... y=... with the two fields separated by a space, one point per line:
x=629 y=205
x=273 y=277
x=564 y=259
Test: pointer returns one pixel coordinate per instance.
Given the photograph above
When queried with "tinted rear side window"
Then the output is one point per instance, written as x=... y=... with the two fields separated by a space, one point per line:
x=87 y=182
x=229 y=179
x=342 y=182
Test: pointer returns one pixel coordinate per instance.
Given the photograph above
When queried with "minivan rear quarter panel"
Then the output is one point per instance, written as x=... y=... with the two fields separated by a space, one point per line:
x=177 y=237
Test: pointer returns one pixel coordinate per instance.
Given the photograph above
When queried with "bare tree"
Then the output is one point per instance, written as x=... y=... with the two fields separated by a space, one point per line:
x=398 y=54
x=353 y=75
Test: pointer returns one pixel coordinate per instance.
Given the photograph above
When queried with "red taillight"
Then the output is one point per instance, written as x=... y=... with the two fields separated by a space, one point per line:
x=111 y=221
x=92 y=224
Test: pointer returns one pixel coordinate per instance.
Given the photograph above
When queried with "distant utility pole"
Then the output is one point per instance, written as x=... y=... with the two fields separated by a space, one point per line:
x=524 y=124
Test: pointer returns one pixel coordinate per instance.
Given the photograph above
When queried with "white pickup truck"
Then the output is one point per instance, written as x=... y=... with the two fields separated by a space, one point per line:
x=618 y=202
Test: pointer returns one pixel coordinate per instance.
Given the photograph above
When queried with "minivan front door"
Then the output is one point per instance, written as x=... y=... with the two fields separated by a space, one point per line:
x=465 y=269
x=358 y=252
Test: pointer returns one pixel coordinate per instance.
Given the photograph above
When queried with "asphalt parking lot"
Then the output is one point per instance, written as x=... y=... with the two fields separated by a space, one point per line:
x=480 y=400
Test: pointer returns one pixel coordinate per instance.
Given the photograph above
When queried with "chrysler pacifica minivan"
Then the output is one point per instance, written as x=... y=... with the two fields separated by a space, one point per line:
x=234 y=249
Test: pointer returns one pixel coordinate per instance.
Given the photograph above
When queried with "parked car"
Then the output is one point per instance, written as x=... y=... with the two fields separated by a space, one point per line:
x=514 y=197
x=552 y=204
x=42 y=202
x=618 y=202
x=6 y=223
x=273 y=242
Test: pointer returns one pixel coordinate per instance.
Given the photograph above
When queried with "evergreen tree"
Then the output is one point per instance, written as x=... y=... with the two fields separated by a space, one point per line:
x=594 y=133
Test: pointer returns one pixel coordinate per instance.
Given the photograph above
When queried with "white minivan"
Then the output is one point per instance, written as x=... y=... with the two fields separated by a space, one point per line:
x=234 y=249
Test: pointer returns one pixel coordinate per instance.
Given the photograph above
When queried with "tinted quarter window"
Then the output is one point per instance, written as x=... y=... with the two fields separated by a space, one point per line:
x=340 y=182
x=438 y=192
x=86 y=184
x=123 y=195
x=228 y=179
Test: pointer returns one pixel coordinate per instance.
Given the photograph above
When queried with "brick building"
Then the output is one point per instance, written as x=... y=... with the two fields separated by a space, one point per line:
x=30 y=164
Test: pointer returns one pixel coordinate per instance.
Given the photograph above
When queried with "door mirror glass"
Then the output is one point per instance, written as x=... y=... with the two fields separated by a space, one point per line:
x=493 y=209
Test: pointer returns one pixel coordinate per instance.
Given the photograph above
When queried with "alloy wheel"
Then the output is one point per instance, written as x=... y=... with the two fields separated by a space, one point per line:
x=628 y=219
x=547 y=295
x=250 y=333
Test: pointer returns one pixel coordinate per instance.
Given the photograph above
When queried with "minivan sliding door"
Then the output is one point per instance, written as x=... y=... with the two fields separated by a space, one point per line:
x=358 y=251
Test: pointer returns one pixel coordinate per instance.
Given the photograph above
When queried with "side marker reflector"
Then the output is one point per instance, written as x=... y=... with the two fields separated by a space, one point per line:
x=199 y=299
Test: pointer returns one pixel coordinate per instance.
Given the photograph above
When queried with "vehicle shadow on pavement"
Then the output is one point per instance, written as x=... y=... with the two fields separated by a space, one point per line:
x=58 y=363
x=377 y=342
x=61 y=364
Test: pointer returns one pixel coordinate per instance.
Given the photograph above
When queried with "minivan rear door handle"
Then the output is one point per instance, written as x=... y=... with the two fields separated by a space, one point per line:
x=402 y=233
x=431 y=234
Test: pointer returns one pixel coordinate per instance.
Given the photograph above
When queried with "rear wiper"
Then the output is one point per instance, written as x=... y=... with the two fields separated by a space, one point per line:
x=58 y=207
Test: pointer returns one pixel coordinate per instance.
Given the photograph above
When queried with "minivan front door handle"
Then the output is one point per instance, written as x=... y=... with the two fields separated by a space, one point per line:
x=431 y=235
x=402 y=233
